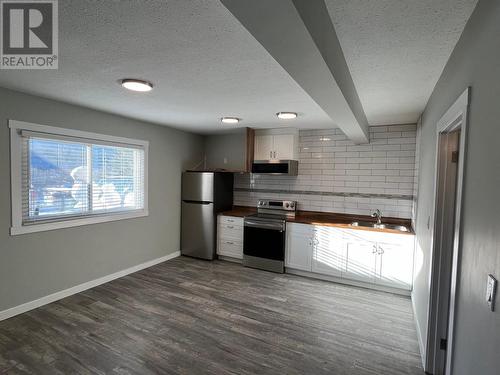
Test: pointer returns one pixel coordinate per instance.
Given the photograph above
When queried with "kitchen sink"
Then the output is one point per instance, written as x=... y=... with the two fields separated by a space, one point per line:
x=366 y=224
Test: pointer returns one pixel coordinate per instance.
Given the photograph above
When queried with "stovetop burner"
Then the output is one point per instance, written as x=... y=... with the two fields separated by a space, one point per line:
x=274 y=210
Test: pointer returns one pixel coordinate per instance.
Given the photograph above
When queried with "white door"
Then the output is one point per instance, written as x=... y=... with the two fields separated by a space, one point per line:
x=299 y=246
x=329 y=253
x=284 y=146
x=396 y=263
x=263 y=149
x=361 y=256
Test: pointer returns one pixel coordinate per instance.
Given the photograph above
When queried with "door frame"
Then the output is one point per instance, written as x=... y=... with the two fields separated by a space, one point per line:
x=455 y=118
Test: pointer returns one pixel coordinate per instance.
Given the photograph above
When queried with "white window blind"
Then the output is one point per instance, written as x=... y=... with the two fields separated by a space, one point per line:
x=65 y=175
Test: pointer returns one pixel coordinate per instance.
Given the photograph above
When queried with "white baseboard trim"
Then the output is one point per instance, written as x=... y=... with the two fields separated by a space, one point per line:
x=16 y=310
x=419 y=335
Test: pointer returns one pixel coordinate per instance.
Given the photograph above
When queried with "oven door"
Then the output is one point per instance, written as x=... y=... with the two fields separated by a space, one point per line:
x=264 y=239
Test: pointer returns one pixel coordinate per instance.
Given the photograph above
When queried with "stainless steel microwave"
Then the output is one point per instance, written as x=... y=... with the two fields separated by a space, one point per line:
x=276 y=167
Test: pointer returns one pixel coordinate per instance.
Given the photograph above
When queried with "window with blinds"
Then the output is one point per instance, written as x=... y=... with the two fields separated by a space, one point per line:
x=67 y=178
x=64 y=177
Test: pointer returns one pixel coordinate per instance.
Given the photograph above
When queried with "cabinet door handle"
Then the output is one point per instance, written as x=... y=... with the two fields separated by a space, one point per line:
x=271 y=154
x=275 y=154
x=374 y=249
x=380 y=251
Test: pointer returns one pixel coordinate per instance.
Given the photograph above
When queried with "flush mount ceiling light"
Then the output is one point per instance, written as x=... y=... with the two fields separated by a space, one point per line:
x=286 y=115
x=230 y=120
x=136 y=85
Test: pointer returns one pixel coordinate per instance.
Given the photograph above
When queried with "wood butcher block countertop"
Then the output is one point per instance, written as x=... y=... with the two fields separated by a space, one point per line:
x=329 y=219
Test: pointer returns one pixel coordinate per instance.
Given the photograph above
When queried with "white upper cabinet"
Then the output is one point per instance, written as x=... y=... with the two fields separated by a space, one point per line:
x=263 y=147
x=276 y=144
x=284 y=146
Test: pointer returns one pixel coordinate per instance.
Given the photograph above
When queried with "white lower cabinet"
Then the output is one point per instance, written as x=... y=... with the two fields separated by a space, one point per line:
x=372 y=257
x=396 y=262
x=361 y=255
x=299 y=246
x=230 y=236
x=329 y=251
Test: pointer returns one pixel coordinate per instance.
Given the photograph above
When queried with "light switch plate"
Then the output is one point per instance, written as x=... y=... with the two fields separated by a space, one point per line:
x=491 y=291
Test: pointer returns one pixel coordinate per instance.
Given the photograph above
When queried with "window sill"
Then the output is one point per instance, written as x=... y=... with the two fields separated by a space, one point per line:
x=42 y=227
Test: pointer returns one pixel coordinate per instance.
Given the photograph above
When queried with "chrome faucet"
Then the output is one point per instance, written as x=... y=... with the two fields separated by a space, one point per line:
x=378 y=215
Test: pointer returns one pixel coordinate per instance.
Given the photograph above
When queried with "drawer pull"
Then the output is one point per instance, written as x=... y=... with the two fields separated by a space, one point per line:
x=230 y=243
x=230 y=227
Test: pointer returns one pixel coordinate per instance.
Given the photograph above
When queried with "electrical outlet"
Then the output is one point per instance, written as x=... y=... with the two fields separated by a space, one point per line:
x=491 y=291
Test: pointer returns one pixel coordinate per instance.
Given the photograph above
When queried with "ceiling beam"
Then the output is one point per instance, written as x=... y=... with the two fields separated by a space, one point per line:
x=300 y=36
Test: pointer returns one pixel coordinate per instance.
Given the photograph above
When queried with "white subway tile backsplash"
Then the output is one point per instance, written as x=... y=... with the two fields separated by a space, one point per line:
x=331 y=164
x=409 y=146
x=399 y=128
x=360 y=172
x=378 y=129
x=334 y=149
x=373 y=178
x=373 y=154
x=386 y=172
x=386 y=147
x=350 y=154
x=401 y=141
x=359 y=148
x=372 y=166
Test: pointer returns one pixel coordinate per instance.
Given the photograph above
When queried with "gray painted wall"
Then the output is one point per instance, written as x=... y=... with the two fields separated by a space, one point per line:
x=230 y=146
x=35 y=265
x=474 y=63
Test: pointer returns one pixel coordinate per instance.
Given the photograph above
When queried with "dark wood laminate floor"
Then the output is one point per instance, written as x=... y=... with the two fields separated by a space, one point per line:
x=187 y=316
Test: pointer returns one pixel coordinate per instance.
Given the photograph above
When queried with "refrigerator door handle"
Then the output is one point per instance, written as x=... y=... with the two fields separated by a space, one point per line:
x=197 y=202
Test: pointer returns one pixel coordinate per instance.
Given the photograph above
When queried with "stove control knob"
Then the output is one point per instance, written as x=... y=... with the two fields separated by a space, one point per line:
x=287 y=205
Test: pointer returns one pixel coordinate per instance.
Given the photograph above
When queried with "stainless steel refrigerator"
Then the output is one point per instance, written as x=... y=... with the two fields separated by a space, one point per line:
x=204 y=195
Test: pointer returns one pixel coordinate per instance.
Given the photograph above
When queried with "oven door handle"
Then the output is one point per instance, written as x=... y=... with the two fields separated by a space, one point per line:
x=259 y=224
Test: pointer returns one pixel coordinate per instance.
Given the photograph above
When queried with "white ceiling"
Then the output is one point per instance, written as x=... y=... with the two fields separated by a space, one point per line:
x=205 y=64
x=396 y=50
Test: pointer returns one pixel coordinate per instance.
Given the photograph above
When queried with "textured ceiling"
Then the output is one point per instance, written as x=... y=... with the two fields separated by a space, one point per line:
x=202 y=60
x=396 y=50
x=205 y=64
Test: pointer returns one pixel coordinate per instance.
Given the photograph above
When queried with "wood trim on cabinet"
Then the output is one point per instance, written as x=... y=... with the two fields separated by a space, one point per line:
x=250 y=135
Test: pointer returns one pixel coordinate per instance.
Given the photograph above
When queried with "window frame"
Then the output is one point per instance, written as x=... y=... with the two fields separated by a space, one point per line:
x=17 y=226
